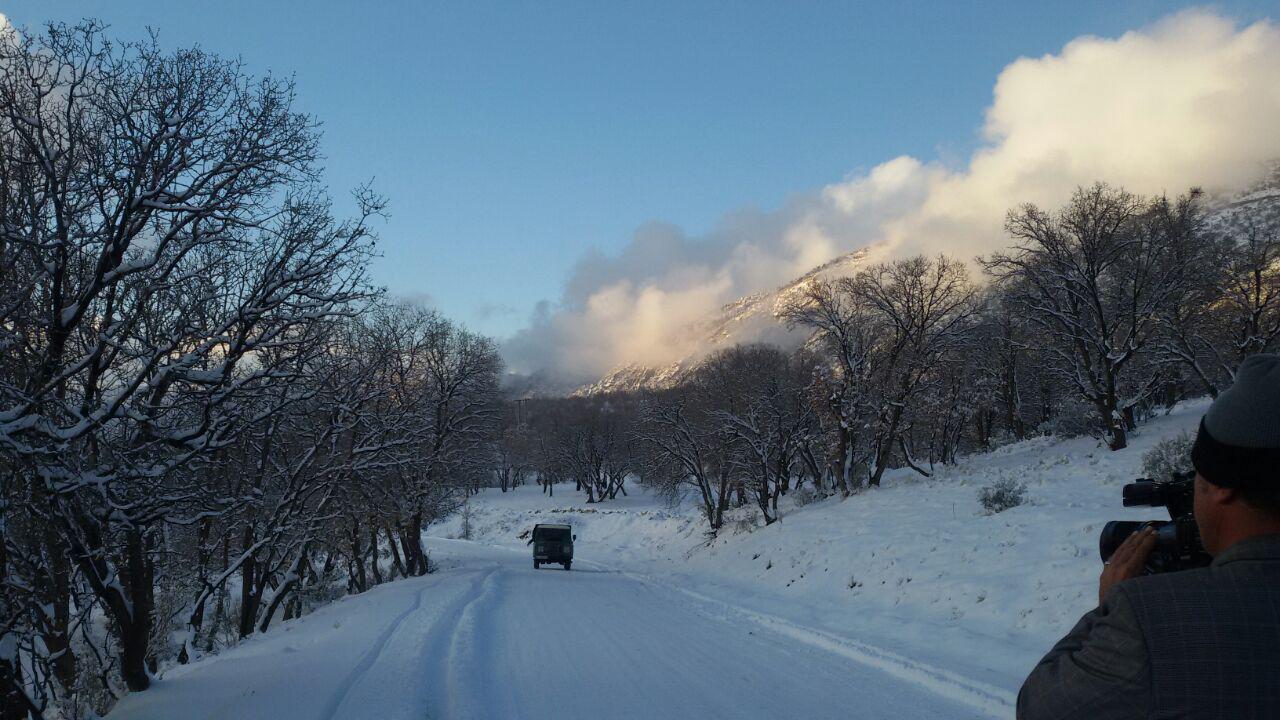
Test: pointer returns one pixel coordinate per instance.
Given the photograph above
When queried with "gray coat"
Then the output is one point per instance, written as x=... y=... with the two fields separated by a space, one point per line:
x=1196 y=644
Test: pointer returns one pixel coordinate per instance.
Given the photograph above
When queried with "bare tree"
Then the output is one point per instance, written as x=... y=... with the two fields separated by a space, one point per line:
x=923 y=308
x=1252 y=283
x=845 y=334
x=680 y=447
x=1094 y=277
x=589 y=441
x=165 y=252
x=1227 y=303
x=1002 y=353
x=516 y=458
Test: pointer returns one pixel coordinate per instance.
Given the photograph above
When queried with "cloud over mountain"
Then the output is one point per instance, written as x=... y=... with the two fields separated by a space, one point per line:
x=1191 y=100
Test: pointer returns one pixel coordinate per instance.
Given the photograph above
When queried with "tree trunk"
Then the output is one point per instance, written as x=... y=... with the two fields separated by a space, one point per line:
x=722 y=502
x=763 y=495
x=373 y=552
x=57 y=638
x=1117 y=438
x=357 y=579
x=14 y=703
x=844 y=461
x=415 y=558
x=708 y=505
x=248 y=577
x=906 y=455
x=282 y=593
x=220 y=607
x=135 y=635
x=811 y=463
x=196 y=620
x=883 y=452
x=884 y=446
x=397 y=566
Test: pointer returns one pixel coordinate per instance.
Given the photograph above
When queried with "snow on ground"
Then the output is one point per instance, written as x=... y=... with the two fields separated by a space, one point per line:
x=917 y=566
x=493 y=638
x=904 y=601
x=914 y=568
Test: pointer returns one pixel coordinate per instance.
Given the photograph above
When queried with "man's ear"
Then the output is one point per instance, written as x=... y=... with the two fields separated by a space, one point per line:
x=1223 y=495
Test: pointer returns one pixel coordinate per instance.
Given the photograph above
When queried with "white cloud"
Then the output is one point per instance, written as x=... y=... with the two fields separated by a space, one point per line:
x=1191 y=100
x=8 y=33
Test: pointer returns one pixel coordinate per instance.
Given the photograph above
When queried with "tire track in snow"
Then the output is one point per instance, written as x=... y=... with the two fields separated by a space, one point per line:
x=985 y=698
x=371 y=656
x=437 y=654
x=465 y=655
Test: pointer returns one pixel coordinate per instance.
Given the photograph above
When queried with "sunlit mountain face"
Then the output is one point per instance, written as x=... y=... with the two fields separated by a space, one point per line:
x=751 y=318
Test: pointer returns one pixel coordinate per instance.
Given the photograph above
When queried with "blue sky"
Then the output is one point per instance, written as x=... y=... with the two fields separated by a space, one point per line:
x=511 y=138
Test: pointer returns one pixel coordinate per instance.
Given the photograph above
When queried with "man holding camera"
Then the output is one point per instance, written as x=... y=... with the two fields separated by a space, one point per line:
x=1201 y=643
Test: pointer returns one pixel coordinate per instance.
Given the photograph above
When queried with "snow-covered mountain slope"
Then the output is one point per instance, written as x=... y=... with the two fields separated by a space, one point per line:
x=637 y=376
x=753 y=318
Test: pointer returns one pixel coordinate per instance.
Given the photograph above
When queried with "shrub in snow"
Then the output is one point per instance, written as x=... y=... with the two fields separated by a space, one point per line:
x=314 y=595
x=804 y=495
x=1001 y=495
x=1170 y=455
x=744 y=524
x=1073 y=419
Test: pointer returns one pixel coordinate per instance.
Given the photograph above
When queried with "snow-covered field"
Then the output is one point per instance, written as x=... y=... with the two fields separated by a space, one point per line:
x=900 y=602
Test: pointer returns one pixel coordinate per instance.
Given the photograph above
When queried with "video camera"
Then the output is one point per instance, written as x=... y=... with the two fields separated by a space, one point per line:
x=1178 y=544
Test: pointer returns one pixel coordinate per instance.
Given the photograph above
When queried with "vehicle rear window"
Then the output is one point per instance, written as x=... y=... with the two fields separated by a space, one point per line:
x=551 y=535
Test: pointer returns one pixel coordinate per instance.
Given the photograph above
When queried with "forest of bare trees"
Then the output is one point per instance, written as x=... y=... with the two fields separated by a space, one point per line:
x=209 y=418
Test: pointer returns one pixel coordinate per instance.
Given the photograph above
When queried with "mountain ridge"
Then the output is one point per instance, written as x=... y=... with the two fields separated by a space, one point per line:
x=751 y=318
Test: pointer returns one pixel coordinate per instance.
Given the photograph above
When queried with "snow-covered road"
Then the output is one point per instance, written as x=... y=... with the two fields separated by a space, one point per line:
x=494 y=638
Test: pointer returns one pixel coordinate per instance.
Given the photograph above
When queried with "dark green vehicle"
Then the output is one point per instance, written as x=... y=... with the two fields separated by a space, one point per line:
x=552 y=544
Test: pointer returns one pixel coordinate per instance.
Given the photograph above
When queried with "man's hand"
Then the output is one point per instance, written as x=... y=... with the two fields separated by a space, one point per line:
x=1127 y=561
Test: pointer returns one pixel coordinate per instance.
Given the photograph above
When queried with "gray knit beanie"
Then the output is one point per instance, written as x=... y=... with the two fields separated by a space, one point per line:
x=1239 y=440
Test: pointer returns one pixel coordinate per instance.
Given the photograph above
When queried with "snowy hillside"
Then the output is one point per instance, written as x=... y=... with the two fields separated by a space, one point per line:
x=752 y=318
x=914 y=566
x=905 y=601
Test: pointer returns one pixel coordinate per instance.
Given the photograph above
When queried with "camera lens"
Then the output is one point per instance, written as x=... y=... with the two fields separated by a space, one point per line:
x=1141 y=493
x=1113 y=534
